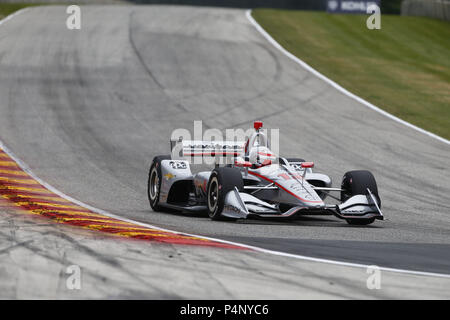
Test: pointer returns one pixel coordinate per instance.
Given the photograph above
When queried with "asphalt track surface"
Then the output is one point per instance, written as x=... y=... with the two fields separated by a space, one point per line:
x=87 y=110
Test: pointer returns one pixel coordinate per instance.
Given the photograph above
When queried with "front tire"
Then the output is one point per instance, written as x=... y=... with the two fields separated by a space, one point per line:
x=154 y=182
x=360 y=222
x=221 y=181
x=357 y=182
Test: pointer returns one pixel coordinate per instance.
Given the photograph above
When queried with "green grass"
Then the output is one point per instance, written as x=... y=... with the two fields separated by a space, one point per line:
x=404 y=68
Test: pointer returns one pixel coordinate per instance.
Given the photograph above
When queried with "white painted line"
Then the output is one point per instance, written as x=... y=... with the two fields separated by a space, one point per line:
x=12 y=15
x=306 y=66
x=25 y=168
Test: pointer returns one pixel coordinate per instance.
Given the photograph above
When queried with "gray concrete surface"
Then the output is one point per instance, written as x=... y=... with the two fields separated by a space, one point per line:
x=88 y=109
x=35 y=255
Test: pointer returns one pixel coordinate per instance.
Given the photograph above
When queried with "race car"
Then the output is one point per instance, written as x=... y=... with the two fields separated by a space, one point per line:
x=256 y=183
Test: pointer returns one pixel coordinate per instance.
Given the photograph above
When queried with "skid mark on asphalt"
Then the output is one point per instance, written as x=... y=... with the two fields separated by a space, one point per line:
x=25 y=193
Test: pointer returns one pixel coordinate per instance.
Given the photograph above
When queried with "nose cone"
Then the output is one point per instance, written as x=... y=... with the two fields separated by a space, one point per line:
x=301 y=194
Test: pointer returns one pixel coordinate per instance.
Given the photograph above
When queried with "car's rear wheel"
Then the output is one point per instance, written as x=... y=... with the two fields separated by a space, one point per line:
x=221 y=181
x=357 y=182
x=154 y=181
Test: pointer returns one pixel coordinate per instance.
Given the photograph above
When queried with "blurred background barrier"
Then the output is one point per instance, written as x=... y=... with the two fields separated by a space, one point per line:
x=350 y=6
x=64 y=2
x=285 y=4
x=439 y=9
x=387 y=6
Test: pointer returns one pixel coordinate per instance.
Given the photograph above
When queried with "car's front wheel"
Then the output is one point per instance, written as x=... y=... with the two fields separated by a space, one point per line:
x=221 y=181
x=360 y=222
x=357 y=182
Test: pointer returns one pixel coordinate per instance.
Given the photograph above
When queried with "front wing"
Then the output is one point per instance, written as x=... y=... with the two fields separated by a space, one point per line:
x=243 y=205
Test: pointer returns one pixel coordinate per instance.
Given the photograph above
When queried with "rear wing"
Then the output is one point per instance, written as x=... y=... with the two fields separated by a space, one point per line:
x=189 y=149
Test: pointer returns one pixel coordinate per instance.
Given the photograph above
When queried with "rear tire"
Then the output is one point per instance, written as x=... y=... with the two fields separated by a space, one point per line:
x=357 y=182
x=221 y=181
x=154 y=182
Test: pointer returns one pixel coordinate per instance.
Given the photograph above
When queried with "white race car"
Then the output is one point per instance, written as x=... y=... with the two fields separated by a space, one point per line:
x=257 y=183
